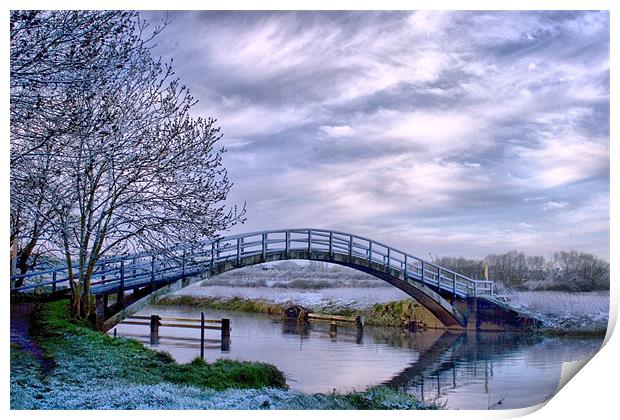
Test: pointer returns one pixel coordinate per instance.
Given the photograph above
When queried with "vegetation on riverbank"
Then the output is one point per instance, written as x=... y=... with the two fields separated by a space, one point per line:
x=391 y=314
x=90 y=370
x=403 y=313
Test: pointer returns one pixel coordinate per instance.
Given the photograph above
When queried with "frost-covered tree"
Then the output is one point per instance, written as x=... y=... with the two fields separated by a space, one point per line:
x=51 y=54
x=134 y=171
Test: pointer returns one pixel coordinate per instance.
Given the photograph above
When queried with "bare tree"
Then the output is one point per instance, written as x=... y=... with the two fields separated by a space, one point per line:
x=134 y=171
x=51 y=54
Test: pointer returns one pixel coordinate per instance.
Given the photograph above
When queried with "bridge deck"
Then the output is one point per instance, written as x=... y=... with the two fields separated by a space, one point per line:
x=129 y=272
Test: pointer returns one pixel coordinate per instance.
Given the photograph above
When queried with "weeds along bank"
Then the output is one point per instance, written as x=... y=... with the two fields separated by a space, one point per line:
x=562 y=313
x=402 y=313
x=85 y=369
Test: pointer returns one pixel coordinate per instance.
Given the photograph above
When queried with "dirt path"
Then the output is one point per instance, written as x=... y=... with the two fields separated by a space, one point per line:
x=21 y=333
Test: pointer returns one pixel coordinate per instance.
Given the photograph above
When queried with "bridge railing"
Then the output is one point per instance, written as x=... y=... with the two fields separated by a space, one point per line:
x=139 y=269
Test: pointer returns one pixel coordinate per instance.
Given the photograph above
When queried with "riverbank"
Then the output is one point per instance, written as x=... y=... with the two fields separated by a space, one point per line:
x=405 y=313
x=90 y=370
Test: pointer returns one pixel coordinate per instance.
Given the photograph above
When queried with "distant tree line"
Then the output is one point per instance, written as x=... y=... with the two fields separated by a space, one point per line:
x=564 y=270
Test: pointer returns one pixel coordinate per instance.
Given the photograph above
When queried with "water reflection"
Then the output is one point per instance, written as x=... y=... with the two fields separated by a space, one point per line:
x=469 y=370
x=490 y=370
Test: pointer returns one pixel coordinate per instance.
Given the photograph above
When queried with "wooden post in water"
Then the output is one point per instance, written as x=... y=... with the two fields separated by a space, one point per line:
x=155 y=329
x=225 y=334
x=202 y=335
x=359 y=326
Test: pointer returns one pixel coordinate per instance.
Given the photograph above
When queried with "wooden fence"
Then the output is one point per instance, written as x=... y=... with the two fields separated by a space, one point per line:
x=155 y=322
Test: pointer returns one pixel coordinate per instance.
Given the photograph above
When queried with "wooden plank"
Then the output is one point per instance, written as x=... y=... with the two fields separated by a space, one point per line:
x=219 y=321
x=331 y=317
x=190 y=326
x=135 y=322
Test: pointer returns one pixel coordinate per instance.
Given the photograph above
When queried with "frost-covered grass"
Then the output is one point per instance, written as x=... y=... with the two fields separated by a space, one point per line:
x=344 y=297
x=562 y=303
x=584 y=313
x=94 y=371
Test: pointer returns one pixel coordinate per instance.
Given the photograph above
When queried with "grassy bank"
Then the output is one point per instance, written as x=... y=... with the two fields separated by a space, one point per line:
x=393 y=314
x=400 y=313
x=90 y=370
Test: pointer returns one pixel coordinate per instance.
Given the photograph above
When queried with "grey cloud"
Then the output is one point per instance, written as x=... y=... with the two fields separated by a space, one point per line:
x=490 y=109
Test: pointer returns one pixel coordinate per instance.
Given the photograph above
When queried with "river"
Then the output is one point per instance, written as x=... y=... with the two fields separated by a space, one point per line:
x=464 y=371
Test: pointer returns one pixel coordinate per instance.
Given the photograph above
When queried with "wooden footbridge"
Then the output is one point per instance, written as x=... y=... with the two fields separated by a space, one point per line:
x=120 y=281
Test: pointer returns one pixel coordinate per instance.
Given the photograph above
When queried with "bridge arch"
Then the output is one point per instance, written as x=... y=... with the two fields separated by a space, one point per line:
x=435 y=287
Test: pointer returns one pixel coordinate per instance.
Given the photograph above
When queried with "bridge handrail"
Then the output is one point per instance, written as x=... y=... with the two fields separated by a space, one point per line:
x=322 y=237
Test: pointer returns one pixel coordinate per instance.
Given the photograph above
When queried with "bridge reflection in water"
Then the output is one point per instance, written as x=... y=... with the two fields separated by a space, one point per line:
x=465 y=370
x=486 y=370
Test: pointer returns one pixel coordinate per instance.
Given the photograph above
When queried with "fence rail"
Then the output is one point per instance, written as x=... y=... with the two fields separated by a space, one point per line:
x=129 y=271
x=155 y=321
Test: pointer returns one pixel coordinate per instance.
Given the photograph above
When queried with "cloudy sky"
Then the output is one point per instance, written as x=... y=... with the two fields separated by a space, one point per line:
x=451 y=133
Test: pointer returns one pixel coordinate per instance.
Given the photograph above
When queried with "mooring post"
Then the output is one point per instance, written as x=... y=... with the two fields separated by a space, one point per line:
x=54 y=280
x=263 y=245
x=359 y=326
x=225 y=334
x=155 y=323
x=202 y=335
x=333 y=328
x=310 y=243
x=114 y=332
x=120 y=292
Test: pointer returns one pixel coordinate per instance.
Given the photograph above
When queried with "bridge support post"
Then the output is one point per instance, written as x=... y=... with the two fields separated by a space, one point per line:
x=331 y=244
x=351 y=248
x=287 y=241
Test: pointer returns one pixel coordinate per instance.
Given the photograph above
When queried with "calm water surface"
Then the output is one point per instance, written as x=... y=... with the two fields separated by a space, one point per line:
x=465 y=371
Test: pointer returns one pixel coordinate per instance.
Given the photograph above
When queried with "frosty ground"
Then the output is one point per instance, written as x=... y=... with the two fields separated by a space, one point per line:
x=76 y=367
x=348 y=292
